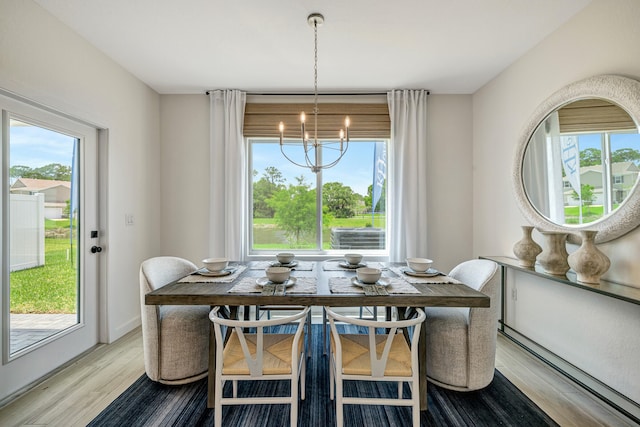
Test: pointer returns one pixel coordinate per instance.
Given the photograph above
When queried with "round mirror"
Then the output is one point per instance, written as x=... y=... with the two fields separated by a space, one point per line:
x=578 y=160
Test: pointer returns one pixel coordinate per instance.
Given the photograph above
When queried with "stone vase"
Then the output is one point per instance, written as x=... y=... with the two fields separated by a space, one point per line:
x=588 y=261
x=526 y=249
x=553 y=257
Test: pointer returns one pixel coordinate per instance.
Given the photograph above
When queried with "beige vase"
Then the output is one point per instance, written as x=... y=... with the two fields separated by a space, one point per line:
x=526 y=249
x=553 y=257
x=588 y=261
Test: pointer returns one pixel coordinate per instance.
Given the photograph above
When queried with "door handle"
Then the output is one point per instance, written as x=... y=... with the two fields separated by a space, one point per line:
x=95 y=249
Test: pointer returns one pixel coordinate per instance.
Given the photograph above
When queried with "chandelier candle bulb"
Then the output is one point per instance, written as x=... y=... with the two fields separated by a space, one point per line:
x=347 y=122
x=281 y=132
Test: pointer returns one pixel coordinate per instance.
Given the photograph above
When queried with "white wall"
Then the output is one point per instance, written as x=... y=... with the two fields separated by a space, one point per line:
x=184 y=133
x=602 y=39
x=45 y=61
x=450 y=186
x=185 y=175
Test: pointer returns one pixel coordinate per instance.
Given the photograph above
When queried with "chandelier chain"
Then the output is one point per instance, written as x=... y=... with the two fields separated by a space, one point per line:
x=315 y=67
x=312 y=149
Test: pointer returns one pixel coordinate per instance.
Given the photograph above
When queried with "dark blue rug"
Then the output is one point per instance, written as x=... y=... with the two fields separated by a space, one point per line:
x=146 y=403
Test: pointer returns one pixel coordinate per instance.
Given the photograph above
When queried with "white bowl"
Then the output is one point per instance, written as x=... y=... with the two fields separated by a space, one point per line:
x=369 y=275
x=278 y=274
x=353 y=258
x=215 y=264
x=419 y=265
x=285 y=257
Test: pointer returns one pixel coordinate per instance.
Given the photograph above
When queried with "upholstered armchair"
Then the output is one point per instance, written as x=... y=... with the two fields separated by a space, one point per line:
x=175 y=338
x=461 y=342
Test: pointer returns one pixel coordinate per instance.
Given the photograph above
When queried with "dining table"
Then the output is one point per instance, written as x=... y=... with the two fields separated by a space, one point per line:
x=318 y=283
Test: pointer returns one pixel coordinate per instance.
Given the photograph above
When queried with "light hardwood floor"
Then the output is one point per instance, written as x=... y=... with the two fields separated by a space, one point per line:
x=76 y=394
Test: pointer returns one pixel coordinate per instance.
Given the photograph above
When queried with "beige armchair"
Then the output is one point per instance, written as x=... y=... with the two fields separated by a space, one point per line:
x=461 y=342
x=175 y=338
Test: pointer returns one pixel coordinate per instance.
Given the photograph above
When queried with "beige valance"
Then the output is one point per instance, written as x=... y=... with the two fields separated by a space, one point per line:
x=367 y=120
x=593 y=115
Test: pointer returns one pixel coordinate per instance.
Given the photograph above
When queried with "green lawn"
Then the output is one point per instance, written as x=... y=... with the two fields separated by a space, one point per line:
x=266 y=234
x=50 y=288
x=589 y=213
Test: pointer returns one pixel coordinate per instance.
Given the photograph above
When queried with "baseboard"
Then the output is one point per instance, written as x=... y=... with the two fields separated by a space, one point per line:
x=124 y=329
x=619 y=402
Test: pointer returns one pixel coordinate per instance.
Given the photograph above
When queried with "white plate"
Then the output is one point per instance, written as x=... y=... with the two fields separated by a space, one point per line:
x=384 y=281
x=345 y=264
x=279 y=264
x=429 y=273
x=264 y=281
x=227 y=271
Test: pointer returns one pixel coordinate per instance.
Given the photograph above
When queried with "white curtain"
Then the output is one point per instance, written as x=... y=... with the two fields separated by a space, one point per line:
x=227 y=205
x=408 y=173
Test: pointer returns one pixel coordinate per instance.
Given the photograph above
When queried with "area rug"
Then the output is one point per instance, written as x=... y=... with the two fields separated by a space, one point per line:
x=146 y=403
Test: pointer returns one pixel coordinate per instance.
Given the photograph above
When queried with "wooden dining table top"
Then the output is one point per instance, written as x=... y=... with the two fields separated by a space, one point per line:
x=429 y=294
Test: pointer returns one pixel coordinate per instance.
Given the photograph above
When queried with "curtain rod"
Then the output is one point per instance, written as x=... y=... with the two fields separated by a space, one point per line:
x=311 y=93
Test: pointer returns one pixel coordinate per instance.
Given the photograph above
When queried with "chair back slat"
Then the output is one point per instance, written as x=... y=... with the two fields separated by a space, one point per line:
x=378 y=364
x=255 y=364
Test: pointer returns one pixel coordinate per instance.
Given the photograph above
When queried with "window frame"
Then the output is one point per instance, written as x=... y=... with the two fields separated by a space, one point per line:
x=317 y=253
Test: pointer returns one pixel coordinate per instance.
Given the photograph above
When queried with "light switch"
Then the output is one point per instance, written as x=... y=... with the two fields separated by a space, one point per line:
x=128 y=219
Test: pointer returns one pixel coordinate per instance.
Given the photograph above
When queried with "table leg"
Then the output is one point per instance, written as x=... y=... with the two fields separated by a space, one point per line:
x=422 y=362
x=211 y=378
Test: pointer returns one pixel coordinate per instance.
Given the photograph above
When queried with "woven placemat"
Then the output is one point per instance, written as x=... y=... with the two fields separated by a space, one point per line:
x=198 y=278
x=304 y=285
x=343 y=285
x=301 y=266
x=440 y=279
x=334 y=265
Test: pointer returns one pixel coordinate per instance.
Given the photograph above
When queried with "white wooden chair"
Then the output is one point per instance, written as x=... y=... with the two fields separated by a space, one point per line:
x=375 y=357
x=242 y=356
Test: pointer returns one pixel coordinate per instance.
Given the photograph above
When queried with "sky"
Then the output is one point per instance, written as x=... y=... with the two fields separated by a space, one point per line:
x=618 y=141
x=355 y=169
x=34 y=147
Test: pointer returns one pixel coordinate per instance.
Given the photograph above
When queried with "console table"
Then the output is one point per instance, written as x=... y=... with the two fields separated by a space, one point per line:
x=608 y=289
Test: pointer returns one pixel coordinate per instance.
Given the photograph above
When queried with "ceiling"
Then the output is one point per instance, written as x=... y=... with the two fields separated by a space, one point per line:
x=189 y=46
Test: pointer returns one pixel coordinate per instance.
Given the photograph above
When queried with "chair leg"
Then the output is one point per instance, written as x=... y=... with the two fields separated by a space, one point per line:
x=415 y=395
x=325 y=343
x=332 y=367
x=308 y=337
x=303 y=379
x=294 y=399
x=339 y=407
x=217 y=411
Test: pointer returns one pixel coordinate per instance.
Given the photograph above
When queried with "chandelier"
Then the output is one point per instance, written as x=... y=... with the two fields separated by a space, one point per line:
x=314 y=150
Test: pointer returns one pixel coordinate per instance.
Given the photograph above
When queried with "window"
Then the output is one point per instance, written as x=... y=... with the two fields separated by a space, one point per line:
x=289 y=213
x=604 y=160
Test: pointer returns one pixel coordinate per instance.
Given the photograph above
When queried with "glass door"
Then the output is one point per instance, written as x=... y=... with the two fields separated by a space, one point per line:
x=49 y=227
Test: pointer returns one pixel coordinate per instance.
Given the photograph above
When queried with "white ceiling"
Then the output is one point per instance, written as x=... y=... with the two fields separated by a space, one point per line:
x=189 y=46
